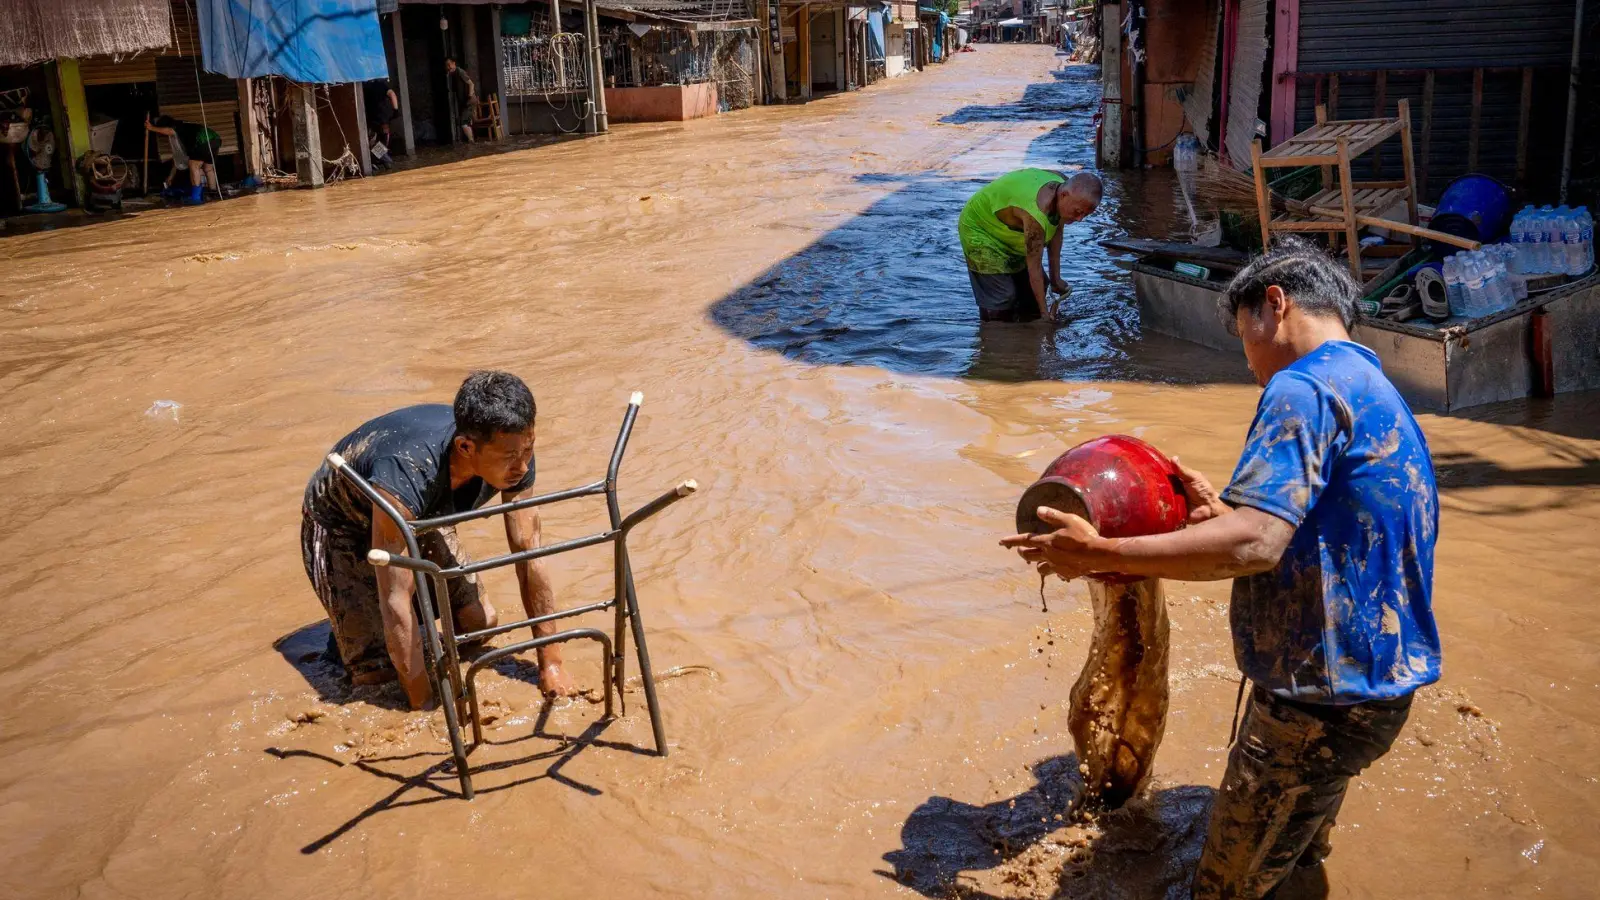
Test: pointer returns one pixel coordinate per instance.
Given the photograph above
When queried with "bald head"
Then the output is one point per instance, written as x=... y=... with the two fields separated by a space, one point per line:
x=1086 y=185
x=1081 y=196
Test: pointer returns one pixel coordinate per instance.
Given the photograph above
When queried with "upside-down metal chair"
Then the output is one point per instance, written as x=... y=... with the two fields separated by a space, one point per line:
x=441 y=646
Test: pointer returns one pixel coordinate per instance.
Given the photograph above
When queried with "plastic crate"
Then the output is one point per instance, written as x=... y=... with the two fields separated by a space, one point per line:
x=102 y=135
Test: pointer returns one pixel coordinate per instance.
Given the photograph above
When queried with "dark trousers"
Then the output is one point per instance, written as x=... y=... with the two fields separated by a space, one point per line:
x=1287 y=776
x=347 y=585
x=1004 y=297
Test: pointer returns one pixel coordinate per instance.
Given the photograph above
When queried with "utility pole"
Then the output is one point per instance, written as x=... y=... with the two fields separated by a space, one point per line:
x=595 y=119
x=602 y=121
x=779 y=77
x=1110 y=155
x=307 y=135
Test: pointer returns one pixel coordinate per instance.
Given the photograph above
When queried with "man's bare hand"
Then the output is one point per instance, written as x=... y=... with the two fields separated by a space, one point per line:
x=554 y=680
x=1071 y=551
x=1061 y=288
x=1204 y=501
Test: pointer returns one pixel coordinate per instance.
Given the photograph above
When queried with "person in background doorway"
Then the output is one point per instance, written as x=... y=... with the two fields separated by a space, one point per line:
x=383 y=108
x=198 y=145
x=427 y=460
x=1005 y=228
x=465 y=93
x=1328 y=532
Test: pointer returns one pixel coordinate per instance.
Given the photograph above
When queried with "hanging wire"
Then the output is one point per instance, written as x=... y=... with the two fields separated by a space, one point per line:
x=199 y=91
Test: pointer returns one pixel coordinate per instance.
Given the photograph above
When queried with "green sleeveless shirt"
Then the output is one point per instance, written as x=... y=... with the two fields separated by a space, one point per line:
x=992 y=248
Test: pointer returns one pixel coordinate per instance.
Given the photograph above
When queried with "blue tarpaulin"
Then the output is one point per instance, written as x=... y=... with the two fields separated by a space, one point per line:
x=875 y=35
x=312 y=41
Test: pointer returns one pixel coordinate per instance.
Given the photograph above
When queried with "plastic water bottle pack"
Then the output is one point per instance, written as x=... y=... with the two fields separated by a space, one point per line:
x=1483 y=282
x=1552 y=241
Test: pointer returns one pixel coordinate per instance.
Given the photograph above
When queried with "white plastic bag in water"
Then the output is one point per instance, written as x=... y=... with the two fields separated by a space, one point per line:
x=164 y=409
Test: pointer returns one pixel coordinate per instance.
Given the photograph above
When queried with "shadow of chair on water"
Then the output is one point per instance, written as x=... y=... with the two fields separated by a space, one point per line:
x=437 y=781
x=307 y=650
x=1146 y=850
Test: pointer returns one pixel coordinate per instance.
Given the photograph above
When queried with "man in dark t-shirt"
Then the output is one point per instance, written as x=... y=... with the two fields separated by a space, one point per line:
x=383 y=107
x=428 y=461
x=197 y=145
x=465 y=93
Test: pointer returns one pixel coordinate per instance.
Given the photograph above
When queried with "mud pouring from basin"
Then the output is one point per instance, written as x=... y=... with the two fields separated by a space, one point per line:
x=1123 y=486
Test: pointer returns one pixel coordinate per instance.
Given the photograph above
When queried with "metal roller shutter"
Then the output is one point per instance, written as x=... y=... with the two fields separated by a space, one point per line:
x=109 y=70
x=1450 y=140
x=1349 y=35
x=179 y=79
x=1359 y=38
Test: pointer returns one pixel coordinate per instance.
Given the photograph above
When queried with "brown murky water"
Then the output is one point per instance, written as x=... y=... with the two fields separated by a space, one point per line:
x=871 y=692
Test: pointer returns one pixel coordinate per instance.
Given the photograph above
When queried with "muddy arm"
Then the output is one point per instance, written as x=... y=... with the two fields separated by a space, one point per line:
x=1033 y=235
x=401 y=634
x=1242 y=542
x=1056 y=280
x=524 y=531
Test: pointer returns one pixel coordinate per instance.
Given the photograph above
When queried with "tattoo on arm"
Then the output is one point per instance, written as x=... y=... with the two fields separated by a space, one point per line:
x=1034 y=235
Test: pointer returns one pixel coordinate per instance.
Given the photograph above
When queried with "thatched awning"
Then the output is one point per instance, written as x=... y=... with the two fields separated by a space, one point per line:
x=37 y=30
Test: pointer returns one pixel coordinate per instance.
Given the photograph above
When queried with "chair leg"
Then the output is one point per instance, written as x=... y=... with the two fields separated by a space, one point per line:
x=619 y=643
x=447 y=701
x=646 y=674
x=606 y=663
x=477 y=721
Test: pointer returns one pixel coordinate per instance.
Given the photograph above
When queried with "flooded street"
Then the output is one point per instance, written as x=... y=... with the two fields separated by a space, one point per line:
x=865 y=699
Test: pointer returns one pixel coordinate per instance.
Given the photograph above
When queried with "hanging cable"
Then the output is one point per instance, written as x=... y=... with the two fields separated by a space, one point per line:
x=200 y=94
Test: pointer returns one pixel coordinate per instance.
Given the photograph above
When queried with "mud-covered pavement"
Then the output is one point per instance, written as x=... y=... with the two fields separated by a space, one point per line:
x=867 y=699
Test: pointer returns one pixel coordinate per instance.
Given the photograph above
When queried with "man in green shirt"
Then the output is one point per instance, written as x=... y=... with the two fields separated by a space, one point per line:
x=1004 y=230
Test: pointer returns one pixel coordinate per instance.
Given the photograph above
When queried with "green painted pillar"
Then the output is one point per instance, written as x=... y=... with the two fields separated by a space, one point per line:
x=70 y=108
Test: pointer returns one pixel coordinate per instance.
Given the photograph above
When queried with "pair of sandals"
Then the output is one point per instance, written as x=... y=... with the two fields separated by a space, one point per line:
x=1425 y=295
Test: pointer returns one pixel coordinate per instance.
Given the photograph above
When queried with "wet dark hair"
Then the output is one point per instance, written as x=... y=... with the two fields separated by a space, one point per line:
x=1316 y=282
x=164 y=122
x=491 y=403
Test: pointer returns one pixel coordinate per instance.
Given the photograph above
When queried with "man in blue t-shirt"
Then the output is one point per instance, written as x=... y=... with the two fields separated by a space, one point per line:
x=1327 y=530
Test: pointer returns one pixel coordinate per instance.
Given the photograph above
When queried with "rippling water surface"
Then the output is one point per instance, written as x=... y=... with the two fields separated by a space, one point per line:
x=889 y=287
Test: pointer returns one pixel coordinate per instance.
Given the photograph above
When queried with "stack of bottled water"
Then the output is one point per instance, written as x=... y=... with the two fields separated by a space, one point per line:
x=1553 y=241
x=1483 y=282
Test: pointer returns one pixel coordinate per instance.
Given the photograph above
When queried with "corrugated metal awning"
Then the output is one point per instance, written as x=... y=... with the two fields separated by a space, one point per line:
x=1344 y=35
x=37 y=30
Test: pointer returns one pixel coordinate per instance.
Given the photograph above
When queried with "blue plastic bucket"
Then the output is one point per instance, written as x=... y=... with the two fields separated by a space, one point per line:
x=1475 y=207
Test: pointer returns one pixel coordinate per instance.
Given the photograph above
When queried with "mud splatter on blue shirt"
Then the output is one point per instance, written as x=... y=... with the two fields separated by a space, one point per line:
x=1347 y=614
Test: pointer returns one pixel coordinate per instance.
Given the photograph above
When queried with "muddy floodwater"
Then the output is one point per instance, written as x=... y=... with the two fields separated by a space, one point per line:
x=866 y=699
